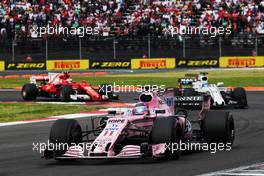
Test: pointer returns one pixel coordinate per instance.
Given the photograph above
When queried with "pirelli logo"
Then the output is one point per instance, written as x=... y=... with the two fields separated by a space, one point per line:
x=153 y=63
x=242 y=61
x=67 y=64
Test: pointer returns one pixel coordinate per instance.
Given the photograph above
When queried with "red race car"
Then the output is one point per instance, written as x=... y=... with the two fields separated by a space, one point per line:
x=59 y=85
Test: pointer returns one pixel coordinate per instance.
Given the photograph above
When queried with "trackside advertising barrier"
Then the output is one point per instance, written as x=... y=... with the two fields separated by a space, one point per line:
x=242 y=61
x=2 y=65
x=153 y=63
x=25 y=66
x=110 y=64
x=68 y=64
x=199 y=62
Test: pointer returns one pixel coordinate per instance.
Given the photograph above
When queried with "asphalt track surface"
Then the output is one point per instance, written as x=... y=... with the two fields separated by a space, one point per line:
x=17 y=157
x=11 y=95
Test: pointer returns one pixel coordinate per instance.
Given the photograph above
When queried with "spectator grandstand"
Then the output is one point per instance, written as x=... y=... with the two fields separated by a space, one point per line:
x=131 y=17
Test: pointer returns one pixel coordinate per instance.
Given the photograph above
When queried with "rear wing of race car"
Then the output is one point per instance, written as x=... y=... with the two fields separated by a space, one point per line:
x=190 y=78
x=187 y=80
x=194 y=75
x=39 y=78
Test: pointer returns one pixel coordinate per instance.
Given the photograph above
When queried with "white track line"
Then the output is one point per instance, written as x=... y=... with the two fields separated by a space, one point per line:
x=240 y=171
x=100 y=112
x=224 y=69
x=23 y=122
x=77 y=116
x=8 y=90
x=53 y=118
x=62 y=103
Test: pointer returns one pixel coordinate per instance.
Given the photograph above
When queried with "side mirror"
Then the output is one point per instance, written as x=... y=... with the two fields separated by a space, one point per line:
x=220 y=84
x=112 y=112
x=160 y=111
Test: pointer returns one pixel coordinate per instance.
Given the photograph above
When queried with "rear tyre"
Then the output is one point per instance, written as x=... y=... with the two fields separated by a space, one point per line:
x=218 y=127
x=166 y=130
x=240 y=96
x=29 y=92
x=65 y=132
x=65 y=93
x=106 y=89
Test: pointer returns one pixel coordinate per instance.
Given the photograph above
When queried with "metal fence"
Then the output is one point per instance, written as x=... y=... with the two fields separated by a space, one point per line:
x=127 y=48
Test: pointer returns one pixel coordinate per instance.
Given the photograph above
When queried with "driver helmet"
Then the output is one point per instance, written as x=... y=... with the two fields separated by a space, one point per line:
x=140 y=109
x=204 y=81
x=65 y=75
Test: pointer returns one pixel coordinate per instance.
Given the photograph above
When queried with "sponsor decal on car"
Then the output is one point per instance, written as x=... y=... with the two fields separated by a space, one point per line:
x=113 y=127
x=189 y=98
x=186 y=81
x=25 y=66
x=201 y=62
x=109 y=64
x=67 y=64
x=246 y=61
x=116 y=121
x=169 y=101
x=153 y=63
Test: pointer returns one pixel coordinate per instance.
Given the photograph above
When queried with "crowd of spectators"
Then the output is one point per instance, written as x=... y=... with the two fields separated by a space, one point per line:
x=19 y=18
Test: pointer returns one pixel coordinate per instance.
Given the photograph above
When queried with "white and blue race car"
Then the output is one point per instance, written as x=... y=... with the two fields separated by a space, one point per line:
x=197 y=84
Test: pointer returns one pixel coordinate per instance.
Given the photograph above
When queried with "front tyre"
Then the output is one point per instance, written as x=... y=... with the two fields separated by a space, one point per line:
x=166 y=130
x=29 y=92
x=107 y=89
x=218 y=127
x=65 y=93
x=64 y=133
x=240 y=96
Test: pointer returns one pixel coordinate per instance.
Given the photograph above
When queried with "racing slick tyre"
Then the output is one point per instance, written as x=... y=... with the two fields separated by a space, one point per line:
x=166 y=130
x=29 y=92
x=218 y=127
x=240 y=96
x=65 y=132
x=65 y=93
x=106 y=89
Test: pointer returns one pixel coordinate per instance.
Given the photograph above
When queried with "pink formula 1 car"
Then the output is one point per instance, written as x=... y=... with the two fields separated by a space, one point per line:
x=60 y=86
x=153 y=128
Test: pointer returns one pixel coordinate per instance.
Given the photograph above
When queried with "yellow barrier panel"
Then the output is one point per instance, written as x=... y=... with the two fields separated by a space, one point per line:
x=242 y=61
x=2 y=65
x=153 y=63
x=67 y=64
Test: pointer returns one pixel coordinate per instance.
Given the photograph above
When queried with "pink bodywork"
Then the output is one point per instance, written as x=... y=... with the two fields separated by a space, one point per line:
x=125 y=123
